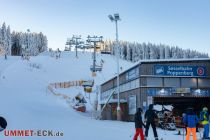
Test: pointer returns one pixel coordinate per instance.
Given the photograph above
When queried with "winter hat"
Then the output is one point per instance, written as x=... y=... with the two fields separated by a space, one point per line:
x=139 y=110
x=151 y=106
x=205 y=109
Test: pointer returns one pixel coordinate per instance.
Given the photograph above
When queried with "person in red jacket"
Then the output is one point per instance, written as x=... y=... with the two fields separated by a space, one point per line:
x=138 y=124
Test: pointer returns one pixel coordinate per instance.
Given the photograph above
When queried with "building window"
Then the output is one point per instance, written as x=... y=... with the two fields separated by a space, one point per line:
x=132 y=74
x=171 y=82
x=154 y=82
x=130 y=85
x=132 y=104
x=189 y=82
x=203 y=82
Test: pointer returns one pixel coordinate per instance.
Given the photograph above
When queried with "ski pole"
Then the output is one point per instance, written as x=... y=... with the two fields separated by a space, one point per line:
x=183 y=132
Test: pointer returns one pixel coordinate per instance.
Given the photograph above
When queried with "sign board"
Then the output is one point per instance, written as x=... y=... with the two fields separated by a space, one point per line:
x=199 y=92
x=151 y=92
x=170 y=70
x=181 y=90
x=133 y=73
x=132 y=104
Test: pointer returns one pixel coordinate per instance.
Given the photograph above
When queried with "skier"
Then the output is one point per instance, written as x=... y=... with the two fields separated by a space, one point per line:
x=185 y=126
x=190 y=120
x=150 y=118
x=139 y=124
x=204 y=118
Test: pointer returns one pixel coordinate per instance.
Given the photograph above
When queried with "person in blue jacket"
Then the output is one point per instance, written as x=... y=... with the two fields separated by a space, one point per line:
x=191 y=120
x=204 y=118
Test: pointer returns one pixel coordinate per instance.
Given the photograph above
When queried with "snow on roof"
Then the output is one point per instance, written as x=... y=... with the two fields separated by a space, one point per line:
x=157 y=60
x=174 y=60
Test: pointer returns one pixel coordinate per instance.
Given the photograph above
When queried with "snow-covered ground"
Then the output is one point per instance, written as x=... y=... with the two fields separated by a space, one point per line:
x=26 y=104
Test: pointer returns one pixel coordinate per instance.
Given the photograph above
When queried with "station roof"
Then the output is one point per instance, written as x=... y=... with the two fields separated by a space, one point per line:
x=159 y=61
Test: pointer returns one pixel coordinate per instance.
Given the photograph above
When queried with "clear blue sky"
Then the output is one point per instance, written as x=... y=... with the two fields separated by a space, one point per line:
x=185 y=23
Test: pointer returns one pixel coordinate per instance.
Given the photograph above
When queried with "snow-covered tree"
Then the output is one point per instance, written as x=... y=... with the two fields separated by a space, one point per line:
x=167 y=52
x=139 y=51
x=162 y=51
x=8 y=41
x=17 y=42
x=4 y=38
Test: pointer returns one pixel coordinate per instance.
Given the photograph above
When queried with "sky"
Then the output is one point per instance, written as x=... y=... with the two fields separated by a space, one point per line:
x=184 y=23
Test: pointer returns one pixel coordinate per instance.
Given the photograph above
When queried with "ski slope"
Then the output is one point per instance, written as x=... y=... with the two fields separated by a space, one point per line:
x=27 y=105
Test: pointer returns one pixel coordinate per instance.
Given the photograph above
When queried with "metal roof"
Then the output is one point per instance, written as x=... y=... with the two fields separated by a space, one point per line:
x=158 y=60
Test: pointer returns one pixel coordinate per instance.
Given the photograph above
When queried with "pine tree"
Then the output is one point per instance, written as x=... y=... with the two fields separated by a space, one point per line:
x=167 y=52
x=8 y=41
x=4 y=37
x=162 y=52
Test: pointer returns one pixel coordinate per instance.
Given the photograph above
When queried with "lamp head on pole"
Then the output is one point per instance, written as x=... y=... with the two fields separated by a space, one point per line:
x=111 y=17
x=117 y=16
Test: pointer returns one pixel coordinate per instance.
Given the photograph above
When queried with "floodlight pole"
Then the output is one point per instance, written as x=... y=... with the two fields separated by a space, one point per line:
x=118 y=77
x=115 y=19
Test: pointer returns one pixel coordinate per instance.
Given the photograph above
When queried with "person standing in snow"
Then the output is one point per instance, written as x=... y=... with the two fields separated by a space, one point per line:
x=204 y=118
x=150 y=118
x=185 y=126
x=138 y=125
x=190 y=120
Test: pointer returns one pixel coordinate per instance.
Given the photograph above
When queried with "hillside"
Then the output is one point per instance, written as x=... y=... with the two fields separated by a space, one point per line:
x=27 y=106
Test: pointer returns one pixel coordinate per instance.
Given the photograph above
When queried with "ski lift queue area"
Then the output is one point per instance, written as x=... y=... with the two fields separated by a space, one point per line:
x=180 y=83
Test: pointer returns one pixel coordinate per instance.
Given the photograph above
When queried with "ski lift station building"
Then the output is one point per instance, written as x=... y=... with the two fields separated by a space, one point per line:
x=178 y=82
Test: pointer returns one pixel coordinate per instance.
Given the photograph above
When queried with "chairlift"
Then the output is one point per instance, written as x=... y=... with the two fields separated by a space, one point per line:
x=88 y=89
x=98 y=47
x=88 y=83
x=105 y=52
x=97 y=68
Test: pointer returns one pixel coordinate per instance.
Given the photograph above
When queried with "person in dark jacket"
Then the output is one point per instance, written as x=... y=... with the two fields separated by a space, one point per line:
x=191 y=120
x=138 y=125
x=150 y=118
x=185 y=126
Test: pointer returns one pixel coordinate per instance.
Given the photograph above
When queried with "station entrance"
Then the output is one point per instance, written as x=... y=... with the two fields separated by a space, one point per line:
x=180 y=104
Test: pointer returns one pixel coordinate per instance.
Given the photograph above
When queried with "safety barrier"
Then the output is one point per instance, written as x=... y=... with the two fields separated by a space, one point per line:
x=67 y=84
x=86 y=84
x=50 y=88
